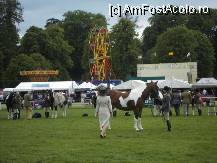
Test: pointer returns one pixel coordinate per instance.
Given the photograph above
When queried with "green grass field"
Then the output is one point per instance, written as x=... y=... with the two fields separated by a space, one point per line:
x=76 y=139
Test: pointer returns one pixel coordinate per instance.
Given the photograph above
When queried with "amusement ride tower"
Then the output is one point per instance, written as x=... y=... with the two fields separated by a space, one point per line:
x=100 y=66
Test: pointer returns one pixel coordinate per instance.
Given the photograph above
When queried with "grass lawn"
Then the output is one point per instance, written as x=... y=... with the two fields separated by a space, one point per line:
x=76 y=139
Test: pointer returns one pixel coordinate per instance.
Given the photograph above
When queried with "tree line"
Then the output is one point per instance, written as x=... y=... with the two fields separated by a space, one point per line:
x=63 y=44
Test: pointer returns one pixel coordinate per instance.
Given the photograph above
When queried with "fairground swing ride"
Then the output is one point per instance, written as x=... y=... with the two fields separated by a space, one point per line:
x=100 y=66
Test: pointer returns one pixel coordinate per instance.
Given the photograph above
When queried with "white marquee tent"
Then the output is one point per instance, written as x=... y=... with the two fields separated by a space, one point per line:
x=8 y=89
x=105 y=85
x=206 y=83
x=86 y=85
x=173 y=83
x=130 y=84
x=57 y=85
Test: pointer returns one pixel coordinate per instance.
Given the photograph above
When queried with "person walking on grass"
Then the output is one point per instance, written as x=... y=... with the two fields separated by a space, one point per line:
x=27 y=105
x=166 y=106
x=103 y=110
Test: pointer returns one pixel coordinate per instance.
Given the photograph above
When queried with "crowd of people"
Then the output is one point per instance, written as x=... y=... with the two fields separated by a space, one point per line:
x=189 y=100
x=29 y=101
x=195 y=100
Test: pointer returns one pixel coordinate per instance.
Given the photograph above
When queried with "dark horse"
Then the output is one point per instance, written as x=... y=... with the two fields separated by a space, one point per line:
x=13 y=104
x=55 y=100
x=134 y=100
x=9 y=104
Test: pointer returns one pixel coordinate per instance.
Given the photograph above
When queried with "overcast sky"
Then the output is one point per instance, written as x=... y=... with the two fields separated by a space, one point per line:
x=36 y=12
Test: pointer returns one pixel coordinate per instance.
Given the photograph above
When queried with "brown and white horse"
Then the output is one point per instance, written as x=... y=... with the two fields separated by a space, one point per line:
x=134 y=100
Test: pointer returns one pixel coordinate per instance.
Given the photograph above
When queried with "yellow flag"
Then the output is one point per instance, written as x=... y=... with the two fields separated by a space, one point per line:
x=170 y=53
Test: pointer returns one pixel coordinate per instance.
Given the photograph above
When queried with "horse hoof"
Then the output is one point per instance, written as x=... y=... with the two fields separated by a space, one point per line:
x=141 y=130
x=101 y=136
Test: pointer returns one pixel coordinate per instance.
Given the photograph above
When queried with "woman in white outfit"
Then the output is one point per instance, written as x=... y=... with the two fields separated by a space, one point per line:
x=103 y=110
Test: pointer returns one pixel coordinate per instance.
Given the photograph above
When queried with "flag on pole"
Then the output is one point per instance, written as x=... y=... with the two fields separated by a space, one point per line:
x=139 y=57
x=188 y=55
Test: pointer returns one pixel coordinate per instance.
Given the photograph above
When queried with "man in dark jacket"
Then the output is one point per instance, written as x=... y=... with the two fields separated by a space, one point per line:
x=176 y=101
x=166 y=106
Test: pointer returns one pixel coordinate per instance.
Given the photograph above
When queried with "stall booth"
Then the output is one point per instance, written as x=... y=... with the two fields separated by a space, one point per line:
x=210 y=86
x=39 y=89
x=84 y=92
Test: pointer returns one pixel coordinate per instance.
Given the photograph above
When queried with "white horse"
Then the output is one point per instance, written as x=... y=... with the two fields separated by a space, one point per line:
x=59 y=101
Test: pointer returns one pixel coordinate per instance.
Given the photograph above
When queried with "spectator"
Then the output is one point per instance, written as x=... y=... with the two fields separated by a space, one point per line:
x=186 y=95
x=176 y=101
x=47 y=104
x=82 y=97
x=198 y=102
x=94 y=100
x=17 y=104
x=70 y=100
x=27 y=105
x=193 y=93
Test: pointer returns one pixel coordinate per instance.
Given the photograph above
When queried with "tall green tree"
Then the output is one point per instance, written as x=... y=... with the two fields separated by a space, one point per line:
x=205 y=55
x=10 y=15
x=206 y=24
x=159 y=24
x=149 y=38
x=35 y=40
x=125 y=48
x=85 y=60
x=53 y=21
x=60 y=51
x=77 y=26
x=181 y=41
x=52 y=45
x=23 y=62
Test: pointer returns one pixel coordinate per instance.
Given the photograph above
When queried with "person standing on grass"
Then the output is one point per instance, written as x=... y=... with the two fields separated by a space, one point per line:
x=93 y=99
x=187 y=99
x=27 y=105
x=198 y=102
x=17 y=104
x=47 y=105
x=103 y=110
x=176 y=101
x=166 y=106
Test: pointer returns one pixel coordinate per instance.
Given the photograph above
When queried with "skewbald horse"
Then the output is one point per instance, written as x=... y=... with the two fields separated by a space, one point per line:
x=57 y=100
x=134 y=100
